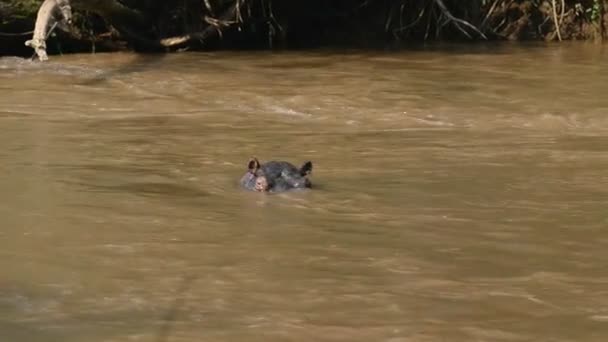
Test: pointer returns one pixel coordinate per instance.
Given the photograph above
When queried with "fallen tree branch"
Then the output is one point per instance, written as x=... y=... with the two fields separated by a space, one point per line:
x=126 y=20
x=51 y=13
x=59 y=13
x=231 y=16
x=214 y=27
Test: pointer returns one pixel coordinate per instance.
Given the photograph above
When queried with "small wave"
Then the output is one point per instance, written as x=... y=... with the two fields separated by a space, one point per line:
x=288 y=111
x=548 y=122
x=434 y=121
x=18 y=65
x=8 y=63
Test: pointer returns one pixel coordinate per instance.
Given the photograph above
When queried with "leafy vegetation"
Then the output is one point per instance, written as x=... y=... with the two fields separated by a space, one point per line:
x=18 y=9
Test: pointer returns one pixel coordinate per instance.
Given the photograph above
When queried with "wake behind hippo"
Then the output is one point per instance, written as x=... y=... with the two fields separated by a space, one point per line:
x=276 y=176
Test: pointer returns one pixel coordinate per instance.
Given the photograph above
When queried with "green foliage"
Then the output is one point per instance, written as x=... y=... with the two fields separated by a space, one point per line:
x=594 y=11
x=20 y=9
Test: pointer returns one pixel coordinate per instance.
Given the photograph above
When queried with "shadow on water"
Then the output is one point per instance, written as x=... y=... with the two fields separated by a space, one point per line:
x=162 y=185
x=145 y=189
x=142 y=62
x=45 y=328
x=27 y=332
x=90 y=76
x=172 y=314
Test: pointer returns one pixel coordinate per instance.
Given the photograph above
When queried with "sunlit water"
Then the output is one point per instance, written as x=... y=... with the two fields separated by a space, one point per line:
x=459 y=195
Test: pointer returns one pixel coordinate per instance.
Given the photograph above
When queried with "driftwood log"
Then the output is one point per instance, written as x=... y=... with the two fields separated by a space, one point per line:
x=129 y=22
x=58 y=13
x=52 y=13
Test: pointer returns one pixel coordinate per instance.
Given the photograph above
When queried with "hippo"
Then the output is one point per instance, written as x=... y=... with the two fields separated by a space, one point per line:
x=276 y=176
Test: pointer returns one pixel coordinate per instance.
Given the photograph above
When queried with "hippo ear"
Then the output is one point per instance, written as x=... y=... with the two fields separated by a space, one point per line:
x=253 y=165
x=306 y=169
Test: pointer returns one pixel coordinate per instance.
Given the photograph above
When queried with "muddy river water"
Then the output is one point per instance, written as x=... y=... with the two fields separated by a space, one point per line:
x=460 y=194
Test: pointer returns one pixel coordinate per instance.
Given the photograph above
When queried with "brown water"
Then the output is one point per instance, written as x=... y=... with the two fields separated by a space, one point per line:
x=460 y=195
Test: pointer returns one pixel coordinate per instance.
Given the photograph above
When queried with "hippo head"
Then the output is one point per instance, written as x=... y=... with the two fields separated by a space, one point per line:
x=255 y=179
x=276 y=176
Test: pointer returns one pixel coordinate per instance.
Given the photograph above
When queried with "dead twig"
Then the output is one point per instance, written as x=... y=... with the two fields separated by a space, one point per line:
x=412 y=24
x=209 y=7
x=458 y=22
x=7 y=34
x=555 y=20
x=561 y=17
x=428 y=23
x=490 y=12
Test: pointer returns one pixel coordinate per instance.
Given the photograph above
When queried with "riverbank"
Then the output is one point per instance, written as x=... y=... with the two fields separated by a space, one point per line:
x=144 y=25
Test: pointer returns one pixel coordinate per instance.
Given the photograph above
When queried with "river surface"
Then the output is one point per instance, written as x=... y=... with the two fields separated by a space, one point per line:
x=460 y=194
